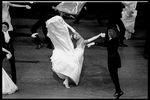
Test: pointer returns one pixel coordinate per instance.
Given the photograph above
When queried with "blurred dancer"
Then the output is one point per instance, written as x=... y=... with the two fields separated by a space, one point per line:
x=66 y=60
x=5 y=12
x=43 y=16
x=7 y=43
x=81 y=14
x=72 y=9
x=129 y=14
x=95 y=8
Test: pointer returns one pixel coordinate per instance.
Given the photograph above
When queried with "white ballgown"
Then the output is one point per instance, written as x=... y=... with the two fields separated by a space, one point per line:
x=65 y=59
x=129 y=14
x=70 y=7
x=6 y=15
x=8 y=86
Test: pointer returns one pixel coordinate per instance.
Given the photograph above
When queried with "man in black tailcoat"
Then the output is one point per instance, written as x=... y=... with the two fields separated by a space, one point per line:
x=6 y=40
x=114 y=61
x=114 y=20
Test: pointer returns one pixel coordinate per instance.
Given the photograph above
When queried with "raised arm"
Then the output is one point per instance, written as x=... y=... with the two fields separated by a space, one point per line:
x=5 y=50
x=95 y=37
x=74 y=31
x=8 y=55
x=17 y=5
x=92 y=39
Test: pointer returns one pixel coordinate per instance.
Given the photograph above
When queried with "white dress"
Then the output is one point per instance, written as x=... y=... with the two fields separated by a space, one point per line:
x=6 y=15
x=65 y=59
x=8 y=86
x=70 y=7
x=129 y=14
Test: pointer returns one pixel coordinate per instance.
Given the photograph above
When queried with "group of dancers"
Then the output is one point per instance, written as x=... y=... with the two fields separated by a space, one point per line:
x=8 y=84
x=67 y=58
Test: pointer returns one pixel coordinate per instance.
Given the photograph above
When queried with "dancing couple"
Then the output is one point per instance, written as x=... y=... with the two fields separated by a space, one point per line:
x=66 y=60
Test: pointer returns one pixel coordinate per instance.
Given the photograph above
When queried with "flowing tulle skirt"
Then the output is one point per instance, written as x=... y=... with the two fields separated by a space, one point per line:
x=68 y=64
x=8 y=86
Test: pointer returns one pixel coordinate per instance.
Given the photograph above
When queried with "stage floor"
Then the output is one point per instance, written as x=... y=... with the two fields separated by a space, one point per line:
x=35 y=78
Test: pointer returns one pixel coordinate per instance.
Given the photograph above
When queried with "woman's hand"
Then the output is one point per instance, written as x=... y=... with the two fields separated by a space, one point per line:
x=28 y=7
x=8 y=55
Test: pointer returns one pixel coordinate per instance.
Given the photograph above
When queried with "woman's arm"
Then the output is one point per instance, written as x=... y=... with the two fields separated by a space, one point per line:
x=17 y=5
x=8 y=55
x=92 y=39
x=5 y=50
x=95 y=37
x=76 y=34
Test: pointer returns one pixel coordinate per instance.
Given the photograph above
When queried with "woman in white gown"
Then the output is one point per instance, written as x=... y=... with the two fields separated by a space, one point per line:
x=129 y=14
x=8 y=86
x=66 y=60
x=5 y=12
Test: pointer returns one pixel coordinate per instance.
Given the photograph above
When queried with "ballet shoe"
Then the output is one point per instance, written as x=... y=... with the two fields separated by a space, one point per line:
x=118 y=94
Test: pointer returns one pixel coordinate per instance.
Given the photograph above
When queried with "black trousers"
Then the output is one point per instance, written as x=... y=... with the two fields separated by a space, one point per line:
x=94 y=8
x=116 y=21
x=11 y=60
x=83 y=13
x=39 y=23
x=114 y=76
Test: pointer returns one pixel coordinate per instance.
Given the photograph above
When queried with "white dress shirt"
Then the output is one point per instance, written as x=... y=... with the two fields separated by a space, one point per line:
x=7 y=37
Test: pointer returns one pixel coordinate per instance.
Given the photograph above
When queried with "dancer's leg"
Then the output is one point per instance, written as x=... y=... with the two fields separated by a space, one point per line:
x=66 y=81
x=35 y=34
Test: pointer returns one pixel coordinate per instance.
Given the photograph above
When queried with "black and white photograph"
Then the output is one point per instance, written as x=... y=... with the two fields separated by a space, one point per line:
x=74 y=49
